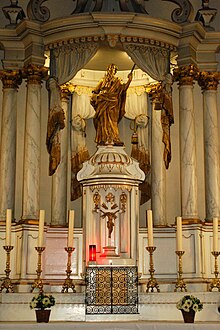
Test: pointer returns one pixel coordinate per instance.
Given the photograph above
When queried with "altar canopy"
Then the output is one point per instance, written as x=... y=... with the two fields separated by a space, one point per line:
x=67 y=60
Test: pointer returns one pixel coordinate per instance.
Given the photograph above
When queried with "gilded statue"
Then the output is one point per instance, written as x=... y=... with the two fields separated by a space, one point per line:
x=108 y=100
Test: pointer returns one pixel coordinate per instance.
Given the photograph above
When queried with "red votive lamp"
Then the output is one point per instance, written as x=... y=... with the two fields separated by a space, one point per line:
x=92 y=252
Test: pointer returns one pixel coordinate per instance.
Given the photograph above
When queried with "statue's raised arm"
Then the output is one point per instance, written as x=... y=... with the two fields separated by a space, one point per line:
x=108 y=100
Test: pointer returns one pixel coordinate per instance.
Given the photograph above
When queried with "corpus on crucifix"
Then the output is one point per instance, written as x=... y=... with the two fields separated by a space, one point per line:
x=109 y=208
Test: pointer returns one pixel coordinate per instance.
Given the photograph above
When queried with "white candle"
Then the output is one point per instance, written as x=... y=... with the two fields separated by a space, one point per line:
x=71 y=227
x=8 y=227
x=215 y=234
x=41 y=228
x=150 y=228
x=179 y=238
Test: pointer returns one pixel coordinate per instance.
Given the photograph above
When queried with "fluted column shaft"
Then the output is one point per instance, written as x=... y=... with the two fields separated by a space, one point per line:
x=10 y=80
x=188 y=165
x=31 y=184
x=158 y=175
x=209 y=84
x=59 y=179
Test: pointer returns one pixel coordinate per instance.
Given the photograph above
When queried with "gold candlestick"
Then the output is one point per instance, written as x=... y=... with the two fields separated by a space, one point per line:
x=6 y=284
x=68 y=283
x=180 y=284
x=38 y=284
x=215 y=283
x=152 y=282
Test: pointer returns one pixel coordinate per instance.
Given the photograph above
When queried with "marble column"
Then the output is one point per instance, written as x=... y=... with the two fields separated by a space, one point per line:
x=10 y=80
x=188 y=167
x=158 y=170
x=209 y=84
x=31 y=184
x=59 y=178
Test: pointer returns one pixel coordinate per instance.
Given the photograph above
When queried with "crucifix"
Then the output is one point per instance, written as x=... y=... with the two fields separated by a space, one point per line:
x=109 y=208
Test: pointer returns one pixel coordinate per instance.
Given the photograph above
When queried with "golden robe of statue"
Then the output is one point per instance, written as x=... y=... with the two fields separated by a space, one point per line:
x=108 y=100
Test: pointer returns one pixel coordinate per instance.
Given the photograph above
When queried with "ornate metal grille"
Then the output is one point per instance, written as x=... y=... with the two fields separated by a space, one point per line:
x=111 y=290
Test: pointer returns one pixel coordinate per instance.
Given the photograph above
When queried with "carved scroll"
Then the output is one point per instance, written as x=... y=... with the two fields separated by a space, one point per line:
x=37 y=13
x=181 y=15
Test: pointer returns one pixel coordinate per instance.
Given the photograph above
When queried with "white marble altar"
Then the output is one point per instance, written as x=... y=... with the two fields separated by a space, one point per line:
x=70 y=307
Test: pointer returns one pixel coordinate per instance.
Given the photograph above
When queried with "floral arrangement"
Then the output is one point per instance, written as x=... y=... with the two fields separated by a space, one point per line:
x=42 y=301
x=188 y=303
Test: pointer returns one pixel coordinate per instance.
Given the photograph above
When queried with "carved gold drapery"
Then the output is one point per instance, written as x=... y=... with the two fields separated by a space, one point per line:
x=56 y=122
x=161 y=93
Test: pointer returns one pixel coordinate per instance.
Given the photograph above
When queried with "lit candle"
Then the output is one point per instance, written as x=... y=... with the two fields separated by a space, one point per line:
x=179 y=238
x=41 y=228
x=215 y=234
x=71 y=226
x=8 y=227
x=150 y=228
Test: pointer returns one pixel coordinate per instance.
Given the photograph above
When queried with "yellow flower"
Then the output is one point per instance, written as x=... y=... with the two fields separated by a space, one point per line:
x=188 y=302
x=33 y=304
x=195 y=307
x=185 y=307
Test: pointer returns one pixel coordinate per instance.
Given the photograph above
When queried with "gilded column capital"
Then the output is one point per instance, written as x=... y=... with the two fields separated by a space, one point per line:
x=65 y=92
x=35 y=73
x=153 y=91
x=209 y=80
x=185 y=75
x=11 y=78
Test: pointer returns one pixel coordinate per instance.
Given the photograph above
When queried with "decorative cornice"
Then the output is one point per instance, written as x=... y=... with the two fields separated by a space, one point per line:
x=61 y=43
x=209 y=80
x=186 y=74
x=112 y=40
x=11 y=78
x=35 y=73
x=106 y=187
